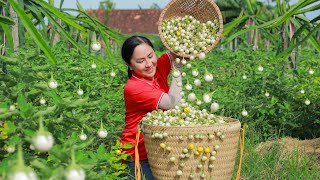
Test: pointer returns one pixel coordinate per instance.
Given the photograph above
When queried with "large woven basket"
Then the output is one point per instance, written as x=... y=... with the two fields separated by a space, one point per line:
x=159 y=159
x=203 y=10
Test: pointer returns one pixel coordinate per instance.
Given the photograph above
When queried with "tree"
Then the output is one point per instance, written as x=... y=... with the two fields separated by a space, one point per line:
x=107 y=6
x=243 y=13
x=155 y=6
x=287 y=19
x=230 y=9
x=34 y=17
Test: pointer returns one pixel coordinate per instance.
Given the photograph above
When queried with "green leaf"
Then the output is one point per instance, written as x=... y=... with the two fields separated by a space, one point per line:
x=26 y=109
x=284 y=4
x=105 y=32
x=48 y=111
x=15 y=140
x=79 y=6
x=73 y=137
x=286 y=53
x=11 y=127
x=29 y=132
x=302 y=18
x=92 y=155
x=61 y=4
x=2 y=3
x=305 y=31
x=279 y=7
x=228 y=27
x=60 y=15
x=128 y=146
x=106 y=42
x=248 y=2
x=269 y=35
x=309 y=9
x=230 y=38
x=3 y=105
x=6 y=20
x=101 y=150
x=71 y=39
x=6 y=163
x=7 y=31
x=124 y=156
x=23 y=17
x=116 y=36
x=55 y=97
x=315 y=19
x=86 y=143
x=292 y=11
x=38 y=16
x=38 y=164
x=287 y=105
x=230 y=13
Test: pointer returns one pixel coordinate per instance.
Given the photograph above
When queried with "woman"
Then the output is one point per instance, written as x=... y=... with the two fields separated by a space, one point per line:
x=146 y=90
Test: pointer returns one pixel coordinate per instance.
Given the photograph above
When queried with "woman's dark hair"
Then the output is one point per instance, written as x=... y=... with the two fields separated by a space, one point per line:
x=128 y=47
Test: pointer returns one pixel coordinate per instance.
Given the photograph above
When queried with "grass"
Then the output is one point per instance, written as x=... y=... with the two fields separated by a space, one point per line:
x=275 y=163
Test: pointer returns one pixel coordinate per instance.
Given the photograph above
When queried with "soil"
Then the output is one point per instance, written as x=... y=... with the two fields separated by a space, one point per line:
x=289 y=145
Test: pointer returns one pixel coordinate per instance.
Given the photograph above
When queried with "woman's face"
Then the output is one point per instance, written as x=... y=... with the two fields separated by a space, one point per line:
x=144 y=61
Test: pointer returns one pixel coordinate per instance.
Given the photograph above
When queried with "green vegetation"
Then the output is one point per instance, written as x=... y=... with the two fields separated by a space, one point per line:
x=274 y=162
x=52 y=82
x=67 y=115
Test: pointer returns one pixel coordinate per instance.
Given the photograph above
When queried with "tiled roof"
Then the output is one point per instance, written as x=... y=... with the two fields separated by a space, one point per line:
x=131 y=21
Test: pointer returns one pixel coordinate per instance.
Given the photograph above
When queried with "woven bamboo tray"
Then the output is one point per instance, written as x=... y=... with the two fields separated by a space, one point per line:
x=203 y=10
x=164 y=169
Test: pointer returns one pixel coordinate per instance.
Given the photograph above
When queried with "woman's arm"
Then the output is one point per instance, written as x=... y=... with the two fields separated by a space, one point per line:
x=170 y=99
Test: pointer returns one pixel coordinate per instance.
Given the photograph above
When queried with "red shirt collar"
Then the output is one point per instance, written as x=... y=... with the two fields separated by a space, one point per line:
x=144 y=79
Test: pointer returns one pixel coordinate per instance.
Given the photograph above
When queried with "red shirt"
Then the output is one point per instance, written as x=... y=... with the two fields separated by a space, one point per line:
x=141 y=96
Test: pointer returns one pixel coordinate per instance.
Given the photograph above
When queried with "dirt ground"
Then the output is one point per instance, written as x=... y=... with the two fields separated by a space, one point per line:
x=289 y=145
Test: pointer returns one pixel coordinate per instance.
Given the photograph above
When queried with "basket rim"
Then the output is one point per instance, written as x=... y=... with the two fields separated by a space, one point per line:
x=232 y=121
x=218 y=36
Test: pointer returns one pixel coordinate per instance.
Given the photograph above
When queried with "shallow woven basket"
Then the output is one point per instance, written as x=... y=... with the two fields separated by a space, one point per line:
x=203 y=10
x=163 y=169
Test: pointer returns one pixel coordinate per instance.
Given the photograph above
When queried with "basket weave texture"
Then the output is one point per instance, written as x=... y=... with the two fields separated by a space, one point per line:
x=163 y=169
x=202 y=10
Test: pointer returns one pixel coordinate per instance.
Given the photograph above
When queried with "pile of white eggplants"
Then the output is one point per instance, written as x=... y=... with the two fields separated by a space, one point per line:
x=182 y=115
x=187 y=35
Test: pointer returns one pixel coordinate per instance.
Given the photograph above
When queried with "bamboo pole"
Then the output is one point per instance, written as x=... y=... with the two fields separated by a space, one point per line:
x=4 y=36
x=15 y=29
x=236 y=43
x=256 y=40
x=292 y=29
x=251 y=33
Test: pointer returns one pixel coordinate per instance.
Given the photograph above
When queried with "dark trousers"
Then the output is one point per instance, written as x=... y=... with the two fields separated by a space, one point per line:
x=146 y=173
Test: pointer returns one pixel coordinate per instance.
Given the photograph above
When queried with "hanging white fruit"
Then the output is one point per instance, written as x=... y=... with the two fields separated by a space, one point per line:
x=214 y=107
x=96 y=46
x=202 y=56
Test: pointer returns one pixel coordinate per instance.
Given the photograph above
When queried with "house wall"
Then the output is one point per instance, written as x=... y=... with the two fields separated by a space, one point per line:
x=131 y=21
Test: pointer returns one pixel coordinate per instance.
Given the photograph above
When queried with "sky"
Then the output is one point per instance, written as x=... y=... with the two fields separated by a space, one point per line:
x=144 y=4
